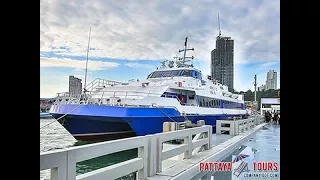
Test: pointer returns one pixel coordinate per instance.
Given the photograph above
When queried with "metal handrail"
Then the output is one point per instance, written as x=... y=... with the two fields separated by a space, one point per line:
x=126 y=94
x=100 y=82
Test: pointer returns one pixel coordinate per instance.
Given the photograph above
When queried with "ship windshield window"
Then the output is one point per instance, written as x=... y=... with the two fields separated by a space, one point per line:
x=149 y=75
x=198 y=75
x=166 y=73
x=186 y=73
x=156 y=74
x=175 y=73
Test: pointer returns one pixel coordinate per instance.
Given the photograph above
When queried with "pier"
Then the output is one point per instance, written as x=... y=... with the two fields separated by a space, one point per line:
x=157 y=159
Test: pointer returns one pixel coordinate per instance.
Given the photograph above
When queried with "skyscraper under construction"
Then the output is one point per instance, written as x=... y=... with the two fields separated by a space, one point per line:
x=222 y=61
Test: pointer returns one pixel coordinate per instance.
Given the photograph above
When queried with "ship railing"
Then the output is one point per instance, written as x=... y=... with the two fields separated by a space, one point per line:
x=62 y=162
x=100 y=83
x=111 y=97
x=64 y=98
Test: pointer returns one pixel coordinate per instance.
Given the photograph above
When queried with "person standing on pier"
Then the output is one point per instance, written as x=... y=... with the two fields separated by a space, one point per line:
x=267 y=116
x=275 y=117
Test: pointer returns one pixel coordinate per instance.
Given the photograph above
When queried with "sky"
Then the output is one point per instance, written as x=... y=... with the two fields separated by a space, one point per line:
x=129 y=39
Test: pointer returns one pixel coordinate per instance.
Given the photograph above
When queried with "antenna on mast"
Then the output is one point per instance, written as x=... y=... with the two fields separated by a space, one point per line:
x=255 y=87
x=182 y=61
x=85 y=76
x=219 y=25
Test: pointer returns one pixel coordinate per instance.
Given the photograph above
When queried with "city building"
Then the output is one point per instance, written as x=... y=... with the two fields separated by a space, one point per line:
x=270 y=104
x=75 y=87
x=262 y=88
x=271 y=82
x=222 y=65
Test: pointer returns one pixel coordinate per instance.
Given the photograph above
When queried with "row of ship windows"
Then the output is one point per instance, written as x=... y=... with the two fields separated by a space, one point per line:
x=207 y=101
x=186 y=73
x=216 y=103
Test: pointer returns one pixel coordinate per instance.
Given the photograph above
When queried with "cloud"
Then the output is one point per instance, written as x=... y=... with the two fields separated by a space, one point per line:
x=76 y=64
x=156 y=30
x=140 y=65
x=267 y=64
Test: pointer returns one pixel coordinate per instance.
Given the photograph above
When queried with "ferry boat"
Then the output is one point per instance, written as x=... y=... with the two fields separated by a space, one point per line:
x=175 y=92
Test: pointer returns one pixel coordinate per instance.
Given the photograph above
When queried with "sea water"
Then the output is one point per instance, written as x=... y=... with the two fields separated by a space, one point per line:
x=54 y=136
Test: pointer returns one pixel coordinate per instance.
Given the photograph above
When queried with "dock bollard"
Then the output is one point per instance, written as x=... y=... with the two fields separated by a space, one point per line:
x=201 y=122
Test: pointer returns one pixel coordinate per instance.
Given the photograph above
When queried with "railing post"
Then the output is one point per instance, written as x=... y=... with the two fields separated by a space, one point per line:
x=232 y=128
x=188 y=141
x=158 y=159
x=152 y=154
x=60 y=172
x=55 y=174
x=210 y=137
x=143 y=153
x=218 y=127
x=71 y=165
x=247 y=124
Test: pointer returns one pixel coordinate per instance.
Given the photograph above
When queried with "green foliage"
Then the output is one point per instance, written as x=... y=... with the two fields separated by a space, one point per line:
x=249 y=95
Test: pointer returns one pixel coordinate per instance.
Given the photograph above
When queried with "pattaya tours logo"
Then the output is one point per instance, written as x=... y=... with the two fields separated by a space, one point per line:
x=239 y=166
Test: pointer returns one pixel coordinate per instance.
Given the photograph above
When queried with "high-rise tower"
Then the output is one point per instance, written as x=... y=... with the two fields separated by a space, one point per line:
x=222 y=66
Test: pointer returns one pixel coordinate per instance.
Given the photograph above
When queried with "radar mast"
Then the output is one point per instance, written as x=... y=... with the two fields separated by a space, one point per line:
x=182 y=62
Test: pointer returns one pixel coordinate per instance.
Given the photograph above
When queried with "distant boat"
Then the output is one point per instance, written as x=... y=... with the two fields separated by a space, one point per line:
x=45 y=115
x=45 y=104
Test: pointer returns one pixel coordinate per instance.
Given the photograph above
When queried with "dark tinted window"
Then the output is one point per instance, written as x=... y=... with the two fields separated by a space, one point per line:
x=175 y=73
x=186 y=73
x=166 y=73
x=155 y=74
x=149 y=75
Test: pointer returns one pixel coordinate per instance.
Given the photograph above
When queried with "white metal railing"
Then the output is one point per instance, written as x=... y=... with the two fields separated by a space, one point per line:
x=63 y=162
x=235 y=127
x=259 y=119
x=98 y=82
x=187 y=147
x=149 y=161
x=108 y=97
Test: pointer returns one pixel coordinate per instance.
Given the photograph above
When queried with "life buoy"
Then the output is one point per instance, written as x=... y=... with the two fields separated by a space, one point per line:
x=180 y=84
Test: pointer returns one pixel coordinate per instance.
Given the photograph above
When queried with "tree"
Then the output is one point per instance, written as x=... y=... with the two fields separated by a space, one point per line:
x=249 y=96
x=270 y=93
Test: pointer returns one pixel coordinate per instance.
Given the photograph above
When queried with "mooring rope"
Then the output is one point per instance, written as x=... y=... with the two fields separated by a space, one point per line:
x=61 y=117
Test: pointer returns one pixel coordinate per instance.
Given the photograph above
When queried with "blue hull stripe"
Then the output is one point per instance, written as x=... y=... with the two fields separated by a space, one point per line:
x=89 y=119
